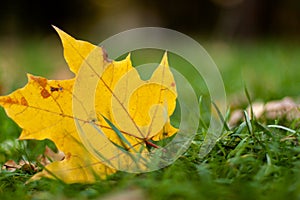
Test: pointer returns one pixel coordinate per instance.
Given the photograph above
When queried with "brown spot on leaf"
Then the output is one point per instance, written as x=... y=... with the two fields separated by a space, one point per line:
x=45 y=94
x=40 y=80
x=68 y=156
x=55 y=89
x=9 y=100
x=24 y=101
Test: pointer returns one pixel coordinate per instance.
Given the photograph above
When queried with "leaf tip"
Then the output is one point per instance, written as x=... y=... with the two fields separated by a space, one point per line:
x=59 y=31
x=55 y=27
x=128 y=57
x=62 y=35
x=29 y=76
x=164 y=60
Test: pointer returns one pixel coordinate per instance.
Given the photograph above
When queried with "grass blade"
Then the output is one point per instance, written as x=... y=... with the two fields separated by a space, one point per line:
x=221 y=117
x=119 y=134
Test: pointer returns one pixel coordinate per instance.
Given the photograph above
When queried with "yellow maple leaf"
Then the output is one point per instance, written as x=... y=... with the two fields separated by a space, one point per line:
x=139 y=109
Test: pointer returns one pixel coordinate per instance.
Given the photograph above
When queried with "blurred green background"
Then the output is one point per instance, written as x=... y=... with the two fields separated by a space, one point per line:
x=253 y=42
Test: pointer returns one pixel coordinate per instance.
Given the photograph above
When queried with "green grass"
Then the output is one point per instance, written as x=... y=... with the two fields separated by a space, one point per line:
x=250 y=161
